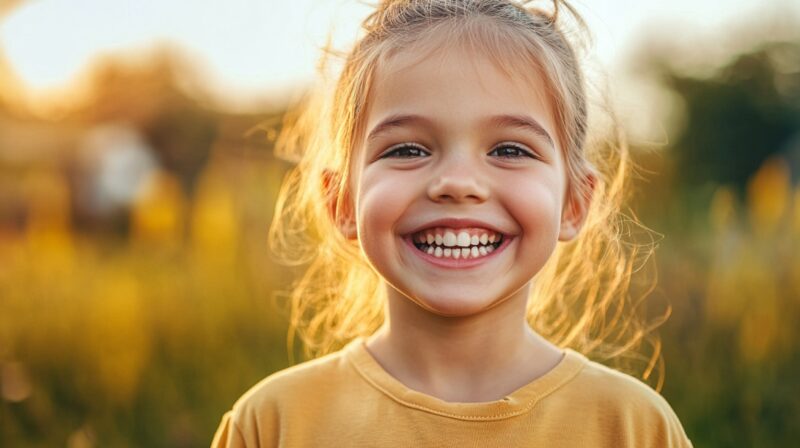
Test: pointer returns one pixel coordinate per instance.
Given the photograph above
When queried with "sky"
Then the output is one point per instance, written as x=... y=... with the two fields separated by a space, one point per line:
x=248 y=47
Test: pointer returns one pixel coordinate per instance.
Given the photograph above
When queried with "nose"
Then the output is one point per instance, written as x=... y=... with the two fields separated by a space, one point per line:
x=458 y=180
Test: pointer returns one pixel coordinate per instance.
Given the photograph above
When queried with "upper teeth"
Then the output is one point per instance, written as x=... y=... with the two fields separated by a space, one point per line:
x=452 y=238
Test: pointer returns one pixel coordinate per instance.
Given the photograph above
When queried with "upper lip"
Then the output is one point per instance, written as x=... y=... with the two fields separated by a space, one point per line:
x=456 y=223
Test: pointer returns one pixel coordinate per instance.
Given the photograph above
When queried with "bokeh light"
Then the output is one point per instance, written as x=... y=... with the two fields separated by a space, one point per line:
x=138 y=297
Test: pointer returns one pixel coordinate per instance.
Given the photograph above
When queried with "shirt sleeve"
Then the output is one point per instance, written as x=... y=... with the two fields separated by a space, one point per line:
x=228 y=434
x=670 y=432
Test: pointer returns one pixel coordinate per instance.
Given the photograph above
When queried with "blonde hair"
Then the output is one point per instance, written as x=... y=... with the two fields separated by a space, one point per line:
x=581 y=296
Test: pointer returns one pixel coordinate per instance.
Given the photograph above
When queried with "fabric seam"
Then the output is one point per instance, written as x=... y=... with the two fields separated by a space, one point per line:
x=525 y=409
x=236 y=425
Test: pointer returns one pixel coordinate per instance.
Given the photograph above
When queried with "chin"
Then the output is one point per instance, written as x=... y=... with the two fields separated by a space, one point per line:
x=453 y=307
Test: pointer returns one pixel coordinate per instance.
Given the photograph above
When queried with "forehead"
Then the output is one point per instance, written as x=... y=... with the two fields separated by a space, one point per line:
x=460 y=75
x=513 y=50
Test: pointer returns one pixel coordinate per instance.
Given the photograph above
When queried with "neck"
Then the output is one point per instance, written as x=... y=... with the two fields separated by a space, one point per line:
x=481 y=357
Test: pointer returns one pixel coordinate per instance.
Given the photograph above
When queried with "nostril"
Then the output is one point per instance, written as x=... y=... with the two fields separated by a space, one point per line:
x=458 y=189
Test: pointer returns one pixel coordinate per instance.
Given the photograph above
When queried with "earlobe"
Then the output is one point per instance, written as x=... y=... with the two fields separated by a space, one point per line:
x=341 y=213
x=348 y=228
x=576 y=209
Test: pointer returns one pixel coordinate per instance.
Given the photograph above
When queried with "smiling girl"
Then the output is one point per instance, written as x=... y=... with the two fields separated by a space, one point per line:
x=462 y=243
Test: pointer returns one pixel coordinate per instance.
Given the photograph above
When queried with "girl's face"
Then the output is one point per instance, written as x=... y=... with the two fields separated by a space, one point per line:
x=458 y=153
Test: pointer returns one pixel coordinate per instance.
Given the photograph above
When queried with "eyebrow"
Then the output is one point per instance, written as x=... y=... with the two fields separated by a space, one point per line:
x=522 y=122
x=395 y=121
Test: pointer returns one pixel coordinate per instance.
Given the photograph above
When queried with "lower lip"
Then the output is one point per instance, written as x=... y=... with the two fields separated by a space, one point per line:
x=460 y=263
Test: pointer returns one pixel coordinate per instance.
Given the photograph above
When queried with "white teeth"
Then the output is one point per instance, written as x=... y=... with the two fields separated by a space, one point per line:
x=459 y=252
x=450 y=238
x=443 y=242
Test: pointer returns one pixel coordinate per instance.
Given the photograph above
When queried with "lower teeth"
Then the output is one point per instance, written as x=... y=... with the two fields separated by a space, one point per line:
x=459 y=252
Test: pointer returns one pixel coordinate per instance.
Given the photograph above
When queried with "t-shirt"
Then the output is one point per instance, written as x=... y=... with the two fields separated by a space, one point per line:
x=347 y=399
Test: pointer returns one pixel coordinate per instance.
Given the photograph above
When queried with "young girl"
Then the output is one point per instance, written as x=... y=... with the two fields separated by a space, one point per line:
x=429 y=200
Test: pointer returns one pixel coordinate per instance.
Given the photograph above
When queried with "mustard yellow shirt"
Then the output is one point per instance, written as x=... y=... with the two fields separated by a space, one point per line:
x=347 y=399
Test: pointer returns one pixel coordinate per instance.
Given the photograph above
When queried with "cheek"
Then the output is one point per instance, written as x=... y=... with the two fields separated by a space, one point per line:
x=534 y=202
x=380 y=204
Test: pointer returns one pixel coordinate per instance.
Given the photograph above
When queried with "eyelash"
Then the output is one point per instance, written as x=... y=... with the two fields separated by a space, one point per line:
x=522 y=151
x=404 y=146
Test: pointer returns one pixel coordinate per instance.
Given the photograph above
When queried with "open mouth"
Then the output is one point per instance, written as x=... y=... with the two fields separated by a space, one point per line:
x=457 y=244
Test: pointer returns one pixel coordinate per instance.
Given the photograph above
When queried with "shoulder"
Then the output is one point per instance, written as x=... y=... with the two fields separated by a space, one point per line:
x=622 y=390
x=292 y=384
x=627 y=404
x=258 y=416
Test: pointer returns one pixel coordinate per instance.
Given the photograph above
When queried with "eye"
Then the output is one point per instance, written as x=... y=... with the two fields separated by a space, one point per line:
x=405 y=151
x=511 y=151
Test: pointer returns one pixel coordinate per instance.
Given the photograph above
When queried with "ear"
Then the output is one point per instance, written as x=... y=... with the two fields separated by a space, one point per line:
x=576 y=209
x=345 y=218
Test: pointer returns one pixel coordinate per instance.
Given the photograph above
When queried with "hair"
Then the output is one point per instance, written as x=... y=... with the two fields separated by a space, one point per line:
x=581 y=297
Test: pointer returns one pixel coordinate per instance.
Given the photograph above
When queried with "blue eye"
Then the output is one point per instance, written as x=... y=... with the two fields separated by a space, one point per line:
x=405 y=152
x=508 y=151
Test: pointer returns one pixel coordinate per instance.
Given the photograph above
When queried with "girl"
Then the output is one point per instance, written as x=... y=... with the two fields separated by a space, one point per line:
x=452 y=160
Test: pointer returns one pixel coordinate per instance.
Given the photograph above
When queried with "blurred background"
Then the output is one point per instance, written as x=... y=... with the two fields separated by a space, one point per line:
x=137 y=183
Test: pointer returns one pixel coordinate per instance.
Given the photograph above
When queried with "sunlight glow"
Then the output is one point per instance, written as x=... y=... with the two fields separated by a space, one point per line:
x=255 y=47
